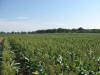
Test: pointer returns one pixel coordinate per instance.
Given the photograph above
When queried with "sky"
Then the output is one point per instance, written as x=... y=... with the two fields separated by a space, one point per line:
x=32 y=15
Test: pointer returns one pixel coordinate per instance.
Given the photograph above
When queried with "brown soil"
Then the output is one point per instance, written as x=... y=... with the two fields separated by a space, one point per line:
x=1 y=39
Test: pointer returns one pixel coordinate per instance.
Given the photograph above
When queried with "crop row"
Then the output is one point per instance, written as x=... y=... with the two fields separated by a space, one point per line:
x=52 y=54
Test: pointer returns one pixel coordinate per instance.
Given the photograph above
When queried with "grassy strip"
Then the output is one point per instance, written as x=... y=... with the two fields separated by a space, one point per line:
x=1 y=49
x=8 y=65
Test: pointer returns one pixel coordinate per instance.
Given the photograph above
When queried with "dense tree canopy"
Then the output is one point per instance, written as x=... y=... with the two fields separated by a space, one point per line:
x=59 y=30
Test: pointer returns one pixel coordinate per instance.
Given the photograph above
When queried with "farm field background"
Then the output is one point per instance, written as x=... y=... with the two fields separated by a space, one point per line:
x=50 y=54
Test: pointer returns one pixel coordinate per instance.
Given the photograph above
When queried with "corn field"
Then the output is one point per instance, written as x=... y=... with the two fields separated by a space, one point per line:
x=50 y=54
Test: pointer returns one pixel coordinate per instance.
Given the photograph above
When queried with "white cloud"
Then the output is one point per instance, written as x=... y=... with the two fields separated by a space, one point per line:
x=9 y=26
x=22 y=17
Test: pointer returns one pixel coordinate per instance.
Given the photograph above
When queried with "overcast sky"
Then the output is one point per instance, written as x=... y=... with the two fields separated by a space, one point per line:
x=31 y=15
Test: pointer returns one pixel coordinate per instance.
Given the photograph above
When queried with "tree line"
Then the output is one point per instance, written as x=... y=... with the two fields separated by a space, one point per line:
x=59 y=30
